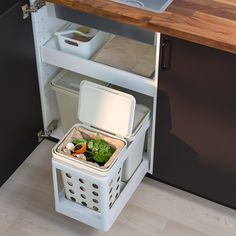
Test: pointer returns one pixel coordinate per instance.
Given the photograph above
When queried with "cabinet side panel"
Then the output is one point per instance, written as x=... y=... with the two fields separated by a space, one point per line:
x=45 y=24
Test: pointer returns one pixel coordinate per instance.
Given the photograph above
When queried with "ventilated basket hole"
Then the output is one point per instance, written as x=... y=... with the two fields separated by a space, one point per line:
x=72 y=191
x=95 y=186
x=68 y=175
x=110 y=205
x=118 y=179
x=110 y=190
x=84 y=203
x=110 y=182
x=95 y=193
x=81 y=180
x=117 y=187
x=82 y=188
x=117 y=195
x=119 y=171
x=110 y=197
x=69 y=183
x=83 y=196
x=95 y=208
x=73 y=199
x=95 y=200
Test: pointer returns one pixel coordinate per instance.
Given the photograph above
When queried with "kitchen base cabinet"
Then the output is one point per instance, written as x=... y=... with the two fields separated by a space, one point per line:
x=50 y=61
x=195 y=127
x=192 y=130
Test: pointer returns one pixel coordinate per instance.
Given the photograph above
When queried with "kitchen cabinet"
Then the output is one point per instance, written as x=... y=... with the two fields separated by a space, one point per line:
x=50 y=61
x=191 y=97
x=21 y=117
x=195 y=126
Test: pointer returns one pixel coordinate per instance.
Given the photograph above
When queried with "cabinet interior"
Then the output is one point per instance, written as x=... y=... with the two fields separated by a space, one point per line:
x=51 y=60
x=122 y=72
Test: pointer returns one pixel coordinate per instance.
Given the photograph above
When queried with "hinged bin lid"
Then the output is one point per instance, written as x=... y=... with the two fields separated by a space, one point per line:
x=107 y=109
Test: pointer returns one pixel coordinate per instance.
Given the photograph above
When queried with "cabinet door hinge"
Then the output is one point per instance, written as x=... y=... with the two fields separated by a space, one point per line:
x=26 y=9
x=47 y=133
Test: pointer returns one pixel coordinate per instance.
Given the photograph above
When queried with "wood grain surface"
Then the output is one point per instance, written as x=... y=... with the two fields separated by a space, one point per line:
x=207 y=22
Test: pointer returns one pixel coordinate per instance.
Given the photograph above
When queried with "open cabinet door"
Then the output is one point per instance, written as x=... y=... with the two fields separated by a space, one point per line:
x=21 y=116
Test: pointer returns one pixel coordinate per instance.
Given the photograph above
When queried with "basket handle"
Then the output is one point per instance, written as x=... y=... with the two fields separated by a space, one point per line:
x=88 y=35
x=71 y=42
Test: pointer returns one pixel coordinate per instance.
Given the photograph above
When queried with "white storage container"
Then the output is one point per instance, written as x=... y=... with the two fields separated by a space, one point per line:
x=69 y=41
x=133 y=161
x=66 y=86
x=111 y=112
x=135 y=157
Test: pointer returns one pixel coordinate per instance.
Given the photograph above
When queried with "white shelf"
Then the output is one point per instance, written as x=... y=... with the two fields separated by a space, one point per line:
x=51 y=54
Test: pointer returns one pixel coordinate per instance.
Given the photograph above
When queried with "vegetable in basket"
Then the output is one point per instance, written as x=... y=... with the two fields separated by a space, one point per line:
x=101 y=151
x=95 y=150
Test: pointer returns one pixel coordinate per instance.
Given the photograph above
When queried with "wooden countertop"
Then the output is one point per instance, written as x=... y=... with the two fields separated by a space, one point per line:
x=208 y=22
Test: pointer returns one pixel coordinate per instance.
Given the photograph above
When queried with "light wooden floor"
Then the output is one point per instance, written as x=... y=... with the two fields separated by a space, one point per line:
x=27 y=208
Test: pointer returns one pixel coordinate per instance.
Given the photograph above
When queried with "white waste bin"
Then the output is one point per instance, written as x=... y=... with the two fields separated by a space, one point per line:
x=94 y=189
x=67 y=86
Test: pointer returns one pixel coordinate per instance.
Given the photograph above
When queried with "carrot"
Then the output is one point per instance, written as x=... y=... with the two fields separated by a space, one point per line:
x=81 y=149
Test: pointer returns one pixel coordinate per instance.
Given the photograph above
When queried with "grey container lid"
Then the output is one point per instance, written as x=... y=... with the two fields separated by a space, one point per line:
x=70 y=81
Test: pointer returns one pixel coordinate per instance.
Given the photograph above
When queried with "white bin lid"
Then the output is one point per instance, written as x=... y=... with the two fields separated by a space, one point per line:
x=110 y=110
x=70 y=81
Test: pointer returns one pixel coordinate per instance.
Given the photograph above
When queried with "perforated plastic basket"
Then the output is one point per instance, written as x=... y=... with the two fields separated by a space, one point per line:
x=92 y=185
x=90 y=192
x=111 y=111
